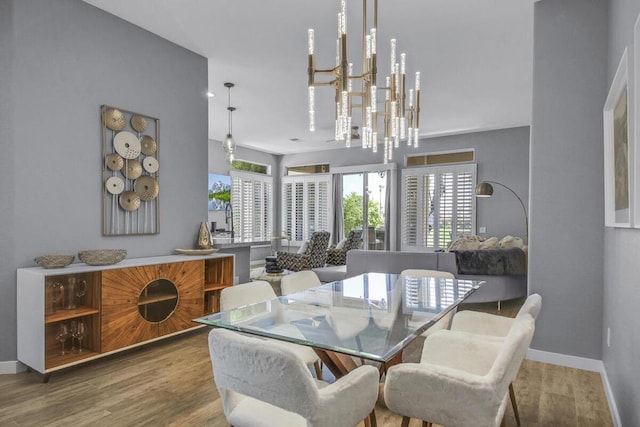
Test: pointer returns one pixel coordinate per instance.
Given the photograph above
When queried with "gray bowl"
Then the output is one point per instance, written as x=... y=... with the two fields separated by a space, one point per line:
x=102 y=256
x=54 y=261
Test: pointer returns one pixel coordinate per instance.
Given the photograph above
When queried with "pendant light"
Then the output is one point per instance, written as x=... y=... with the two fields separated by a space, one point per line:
x=229 y=145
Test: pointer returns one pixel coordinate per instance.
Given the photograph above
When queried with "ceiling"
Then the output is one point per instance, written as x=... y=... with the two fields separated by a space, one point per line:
x=475 y=59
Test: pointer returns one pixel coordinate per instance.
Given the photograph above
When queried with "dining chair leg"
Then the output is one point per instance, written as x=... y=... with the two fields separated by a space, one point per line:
x=405 y=421
x=426 y=424
x=372 y=418
x=503 y=423
x=512 y=396
x=318 y=369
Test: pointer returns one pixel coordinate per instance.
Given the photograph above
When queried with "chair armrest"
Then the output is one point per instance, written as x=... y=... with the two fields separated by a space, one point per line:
x=445 y=394
x=350 y=399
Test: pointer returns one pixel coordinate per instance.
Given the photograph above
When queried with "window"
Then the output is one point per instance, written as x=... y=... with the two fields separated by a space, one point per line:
x=306 y=205
x=445 y=157
x=244 y=165
x=252 y=201
x=308 y=169
x=438 y=206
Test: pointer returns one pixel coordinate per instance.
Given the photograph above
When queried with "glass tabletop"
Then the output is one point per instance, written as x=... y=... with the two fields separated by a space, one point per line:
x=372 y=316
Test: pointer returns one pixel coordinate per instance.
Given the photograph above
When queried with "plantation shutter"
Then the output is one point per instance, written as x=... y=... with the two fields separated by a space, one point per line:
x=252 y=201
x=306 y=205
x=438 y=205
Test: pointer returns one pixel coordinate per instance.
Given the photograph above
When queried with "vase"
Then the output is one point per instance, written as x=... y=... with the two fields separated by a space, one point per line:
x=204 y=237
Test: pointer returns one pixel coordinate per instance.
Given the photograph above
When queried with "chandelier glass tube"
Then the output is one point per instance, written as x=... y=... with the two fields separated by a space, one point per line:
x=400 y=121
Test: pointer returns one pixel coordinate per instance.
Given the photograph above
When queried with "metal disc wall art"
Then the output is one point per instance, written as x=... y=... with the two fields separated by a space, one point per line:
x=138 y=123
x=114 y=161
x=150 y=164
x=114 y=119
x=131 y=192
x=148 y=145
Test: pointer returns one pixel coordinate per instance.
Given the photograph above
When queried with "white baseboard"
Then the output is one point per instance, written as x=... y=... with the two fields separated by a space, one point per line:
x=583 y=363
x=612 y=402
x=11 y=367
x=576 y=362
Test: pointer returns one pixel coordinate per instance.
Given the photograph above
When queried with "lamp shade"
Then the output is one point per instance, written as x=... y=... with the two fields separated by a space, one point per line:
x=229 y=143
x=484 y=189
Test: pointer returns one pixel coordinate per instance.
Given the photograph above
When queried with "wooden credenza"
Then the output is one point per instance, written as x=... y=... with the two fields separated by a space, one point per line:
x=120 y=306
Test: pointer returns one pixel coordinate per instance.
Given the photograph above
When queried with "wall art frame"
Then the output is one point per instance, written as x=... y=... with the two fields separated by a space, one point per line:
x=219 y=191
x=618 y=150
x=130 y=172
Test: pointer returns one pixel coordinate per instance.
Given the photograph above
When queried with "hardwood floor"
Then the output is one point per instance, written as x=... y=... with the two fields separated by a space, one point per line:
x=170 y=384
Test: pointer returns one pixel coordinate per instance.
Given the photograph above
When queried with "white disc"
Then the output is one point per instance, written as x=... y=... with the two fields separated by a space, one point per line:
x=114 y=185
x=150 y=164
x=127 y=145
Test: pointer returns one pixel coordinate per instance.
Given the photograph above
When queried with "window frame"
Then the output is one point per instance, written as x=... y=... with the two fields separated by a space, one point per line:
x=320 y=222
x=419 y=241
x=243 y=201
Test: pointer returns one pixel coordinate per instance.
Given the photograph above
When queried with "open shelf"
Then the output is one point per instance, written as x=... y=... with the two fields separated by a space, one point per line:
x=62 y=314
x=56 y=359
x=208 y=287
x=151 y=299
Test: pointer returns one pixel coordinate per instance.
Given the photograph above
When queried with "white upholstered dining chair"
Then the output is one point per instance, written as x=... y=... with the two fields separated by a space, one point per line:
x=491 y=324
x=299 y=281
x=495 y=326
x=260 y=290
x=462 y=379
x=261 y=385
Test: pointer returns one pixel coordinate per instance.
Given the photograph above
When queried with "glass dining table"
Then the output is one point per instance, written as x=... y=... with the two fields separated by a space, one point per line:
x=373 y=316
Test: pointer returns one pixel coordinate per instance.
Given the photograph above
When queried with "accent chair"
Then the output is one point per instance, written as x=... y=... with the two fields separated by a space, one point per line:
x=314 y=256
x=338 y=256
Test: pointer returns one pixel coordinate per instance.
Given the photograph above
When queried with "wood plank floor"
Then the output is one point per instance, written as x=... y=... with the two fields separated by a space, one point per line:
x=170 y=384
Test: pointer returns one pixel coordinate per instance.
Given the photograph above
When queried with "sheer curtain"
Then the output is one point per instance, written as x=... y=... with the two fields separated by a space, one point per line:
x=338 y=215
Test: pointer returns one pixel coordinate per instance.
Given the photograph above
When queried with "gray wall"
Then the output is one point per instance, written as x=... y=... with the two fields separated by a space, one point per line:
x=566 y=228
x=501 y=155
x=66 y=58
x=621 y=254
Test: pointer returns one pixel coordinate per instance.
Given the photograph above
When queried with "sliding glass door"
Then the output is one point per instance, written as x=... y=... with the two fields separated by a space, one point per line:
x=365 y=207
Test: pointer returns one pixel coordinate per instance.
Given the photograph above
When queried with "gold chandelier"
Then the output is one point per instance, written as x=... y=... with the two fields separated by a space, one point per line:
x=400 y=121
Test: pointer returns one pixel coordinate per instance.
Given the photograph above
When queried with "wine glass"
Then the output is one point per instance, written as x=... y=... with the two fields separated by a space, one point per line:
x=78 y=333
x=62 y=335
x=53 y=297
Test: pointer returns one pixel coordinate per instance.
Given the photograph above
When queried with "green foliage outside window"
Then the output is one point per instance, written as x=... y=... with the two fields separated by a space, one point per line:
x=240 y=165
x=352 y=209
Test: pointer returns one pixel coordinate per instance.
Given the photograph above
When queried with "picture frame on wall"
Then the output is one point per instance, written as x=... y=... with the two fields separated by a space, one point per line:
x=618 y=150
x=219 y=191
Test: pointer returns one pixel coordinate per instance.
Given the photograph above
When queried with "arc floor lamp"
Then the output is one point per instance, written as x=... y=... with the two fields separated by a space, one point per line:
x=485 y=189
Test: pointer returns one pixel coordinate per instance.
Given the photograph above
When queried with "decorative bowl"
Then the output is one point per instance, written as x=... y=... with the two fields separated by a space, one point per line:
x=196 y=251
x=54 y=261
x=102 y=256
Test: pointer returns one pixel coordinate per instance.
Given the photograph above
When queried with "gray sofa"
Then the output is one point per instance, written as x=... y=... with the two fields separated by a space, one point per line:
x=496 y=288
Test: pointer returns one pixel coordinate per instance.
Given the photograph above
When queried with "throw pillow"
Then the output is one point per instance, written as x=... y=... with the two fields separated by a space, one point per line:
x=303 y=248
x=511 y=242
x=341 y=243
